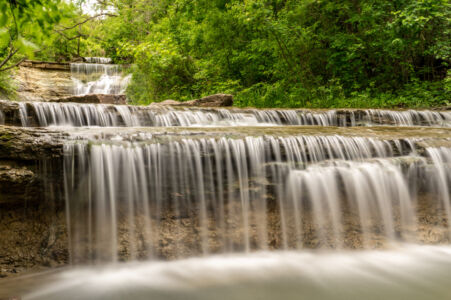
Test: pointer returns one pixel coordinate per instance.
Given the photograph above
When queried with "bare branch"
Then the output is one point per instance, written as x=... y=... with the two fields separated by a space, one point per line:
x=86 y=20
x=12 y=51
x=69 y=38
x=13 y=66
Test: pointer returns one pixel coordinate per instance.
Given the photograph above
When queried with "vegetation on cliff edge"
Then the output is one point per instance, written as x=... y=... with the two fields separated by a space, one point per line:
x=271 y=53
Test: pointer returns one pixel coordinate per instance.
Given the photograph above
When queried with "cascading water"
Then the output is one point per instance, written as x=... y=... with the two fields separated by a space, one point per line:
x=234 y=195
x=74 y=114
x=98 y=60
x=227 y=195
x=98 y=76
x=23 y=114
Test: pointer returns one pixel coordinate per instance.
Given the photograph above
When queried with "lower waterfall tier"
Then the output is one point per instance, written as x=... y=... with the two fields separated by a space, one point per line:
x=99 y=195
x=145 y=198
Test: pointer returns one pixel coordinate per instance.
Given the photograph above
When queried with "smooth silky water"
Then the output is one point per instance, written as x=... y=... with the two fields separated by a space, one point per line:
x=98 y=76
x=407 y=272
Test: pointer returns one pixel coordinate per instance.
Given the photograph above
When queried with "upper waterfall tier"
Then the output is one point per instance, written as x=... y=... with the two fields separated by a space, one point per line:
x=98 y=60
x=98 y=77
x=74 y=114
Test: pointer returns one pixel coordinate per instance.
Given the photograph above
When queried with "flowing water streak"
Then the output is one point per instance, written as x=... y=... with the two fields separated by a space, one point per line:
x=141 y=187
x=98 y=78
x=440 y=178
x=372 y=189
x=23 y=114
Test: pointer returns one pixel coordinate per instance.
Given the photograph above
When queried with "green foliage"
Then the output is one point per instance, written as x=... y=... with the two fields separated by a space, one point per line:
x=25 y=24
x=285 y=53
x=7 y=88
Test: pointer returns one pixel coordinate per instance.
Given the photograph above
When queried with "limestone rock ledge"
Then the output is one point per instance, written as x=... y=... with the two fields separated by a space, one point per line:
x=39 y=84
x=95 y=99
x=216 y=100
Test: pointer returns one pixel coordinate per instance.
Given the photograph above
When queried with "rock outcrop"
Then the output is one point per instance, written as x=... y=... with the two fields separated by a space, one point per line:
x=46 y=65
x=95 y=98
x=32 y=226
x=30 y=144
x=43 y=84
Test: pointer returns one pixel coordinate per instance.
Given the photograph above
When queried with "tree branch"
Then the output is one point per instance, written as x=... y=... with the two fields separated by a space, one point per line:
x=69 y=38
x=13 y=66
x=86 y=20
x=12 y=51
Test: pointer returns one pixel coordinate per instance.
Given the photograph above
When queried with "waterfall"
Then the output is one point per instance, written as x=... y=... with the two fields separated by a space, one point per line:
x=410 y=117
x=98 y=60
x=23 y=114
x=98 y=77
x=74 y=114
x=440 y=178
x=221 y=195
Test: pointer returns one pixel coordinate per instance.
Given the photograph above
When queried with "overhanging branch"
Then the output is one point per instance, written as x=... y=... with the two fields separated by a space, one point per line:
x=11 y=53
x=86 y=20
x=13 y=66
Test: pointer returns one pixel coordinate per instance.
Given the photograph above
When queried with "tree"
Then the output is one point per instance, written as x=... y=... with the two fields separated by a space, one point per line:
x=24 y=24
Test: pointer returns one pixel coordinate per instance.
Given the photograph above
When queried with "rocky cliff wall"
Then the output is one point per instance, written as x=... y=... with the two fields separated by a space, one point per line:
x=42 y=84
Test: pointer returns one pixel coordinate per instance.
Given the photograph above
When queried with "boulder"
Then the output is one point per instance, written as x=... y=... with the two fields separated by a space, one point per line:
x=217 y=100
x=95 y=98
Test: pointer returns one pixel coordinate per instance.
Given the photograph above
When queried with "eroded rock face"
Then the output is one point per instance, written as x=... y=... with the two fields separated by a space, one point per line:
x=32 y=224
x=45 y=65
x=42 y=84
x=95 y=98
x=30 y=144
x=33 y=236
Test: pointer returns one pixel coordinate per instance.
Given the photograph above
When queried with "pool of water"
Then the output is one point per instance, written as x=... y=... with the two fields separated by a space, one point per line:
x=407 y=272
